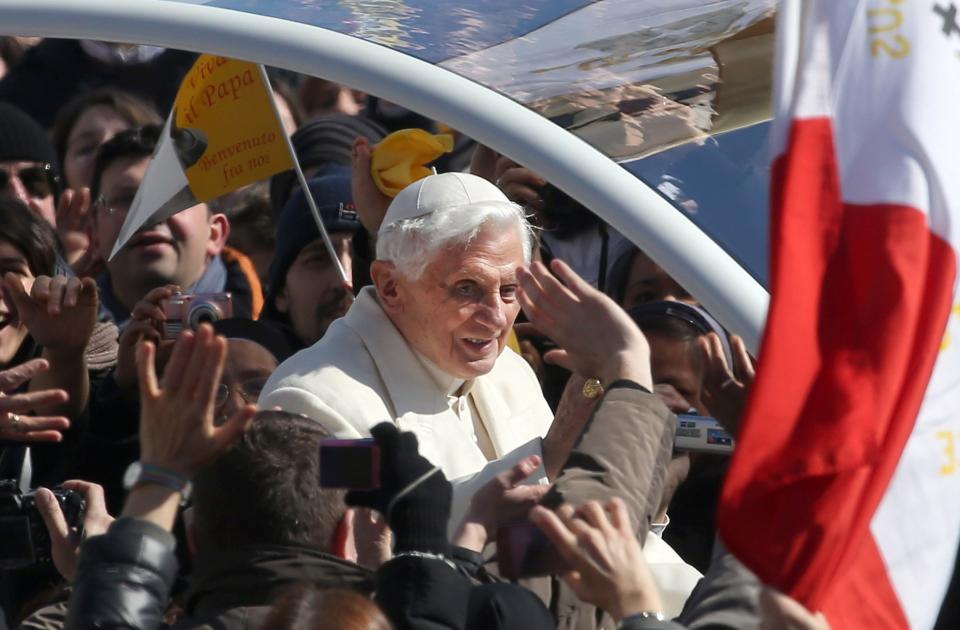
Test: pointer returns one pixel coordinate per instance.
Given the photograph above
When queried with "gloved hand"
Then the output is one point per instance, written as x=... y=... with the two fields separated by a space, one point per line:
x=413 y=496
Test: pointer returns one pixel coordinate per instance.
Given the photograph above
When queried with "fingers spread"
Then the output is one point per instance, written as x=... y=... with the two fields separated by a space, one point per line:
x=180 y=359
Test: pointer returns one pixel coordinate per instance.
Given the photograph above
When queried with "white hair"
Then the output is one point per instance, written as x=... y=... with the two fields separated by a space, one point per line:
x=412 y=244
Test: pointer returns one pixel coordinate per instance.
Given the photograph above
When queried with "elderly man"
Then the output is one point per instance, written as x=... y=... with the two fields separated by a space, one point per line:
x=425 y=347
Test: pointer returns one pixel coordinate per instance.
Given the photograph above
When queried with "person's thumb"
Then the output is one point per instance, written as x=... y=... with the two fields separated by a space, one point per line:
x=52 y=515
x=13 y=288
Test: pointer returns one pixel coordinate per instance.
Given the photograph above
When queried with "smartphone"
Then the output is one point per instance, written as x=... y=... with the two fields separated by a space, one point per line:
x=349 y=464
x=702 y=434
x=525 y=551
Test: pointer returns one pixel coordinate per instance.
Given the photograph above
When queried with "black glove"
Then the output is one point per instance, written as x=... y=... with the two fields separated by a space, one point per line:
x=414 y=500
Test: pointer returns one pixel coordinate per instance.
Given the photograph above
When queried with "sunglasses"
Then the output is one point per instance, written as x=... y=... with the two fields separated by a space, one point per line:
x=39 y=181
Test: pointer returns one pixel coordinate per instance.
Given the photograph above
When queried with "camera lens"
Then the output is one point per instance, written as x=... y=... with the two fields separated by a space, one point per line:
x=203 y=312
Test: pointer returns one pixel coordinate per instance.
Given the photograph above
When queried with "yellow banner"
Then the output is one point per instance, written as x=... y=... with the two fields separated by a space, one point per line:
x=224 y=128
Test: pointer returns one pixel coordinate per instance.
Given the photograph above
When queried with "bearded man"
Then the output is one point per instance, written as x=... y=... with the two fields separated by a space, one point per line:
x=426 y=346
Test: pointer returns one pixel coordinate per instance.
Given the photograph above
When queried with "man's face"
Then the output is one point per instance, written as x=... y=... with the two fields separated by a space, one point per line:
x=30 y=183
x=247 y=368
x=313 y=294
x=93 y=128
x=460 y=311
x=175 y=251
x=647 y=282
x=678 y=363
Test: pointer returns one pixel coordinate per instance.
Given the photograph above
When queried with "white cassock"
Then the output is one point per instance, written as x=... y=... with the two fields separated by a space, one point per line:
x=363 y=372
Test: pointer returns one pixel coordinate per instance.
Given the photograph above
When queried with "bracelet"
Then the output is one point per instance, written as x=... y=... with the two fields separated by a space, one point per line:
x=151 y=473
x=628 y=384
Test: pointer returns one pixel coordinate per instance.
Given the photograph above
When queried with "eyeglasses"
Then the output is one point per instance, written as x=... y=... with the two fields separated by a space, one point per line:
x=249 y=391
x=40 y=181
x=118 y=206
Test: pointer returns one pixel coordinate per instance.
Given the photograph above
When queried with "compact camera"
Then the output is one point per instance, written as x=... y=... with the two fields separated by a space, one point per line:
x=186 y=311
x=24 y=540
x=702 y=434
x=349 y=464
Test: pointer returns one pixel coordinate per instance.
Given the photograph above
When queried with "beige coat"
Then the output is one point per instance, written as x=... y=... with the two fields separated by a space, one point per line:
x=363 y=372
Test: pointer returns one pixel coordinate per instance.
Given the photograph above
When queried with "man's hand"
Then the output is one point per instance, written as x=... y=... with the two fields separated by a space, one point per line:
x=74 y=225
x=608 y=568
x=610 y=348
x=503 y=499
x=372 y=537
x=60 y=311
x=15 y=425
x=725 y=390
x=64 y=541
x=145 y=323
x=519 y=184
x=177 y=430
x=371 y=203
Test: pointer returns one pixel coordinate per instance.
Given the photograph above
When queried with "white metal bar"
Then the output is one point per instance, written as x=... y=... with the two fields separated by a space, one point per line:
x=670 y=238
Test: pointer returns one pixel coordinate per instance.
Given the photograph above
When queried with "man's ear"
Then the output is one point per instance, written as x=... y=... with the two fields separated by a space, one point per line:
x=219 y=231
x=344 y=545
x=389 y=284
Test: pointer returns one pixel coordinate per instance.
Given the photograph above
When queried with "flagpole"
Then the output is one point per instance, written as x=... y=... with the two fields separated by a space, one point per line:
x=311 y=203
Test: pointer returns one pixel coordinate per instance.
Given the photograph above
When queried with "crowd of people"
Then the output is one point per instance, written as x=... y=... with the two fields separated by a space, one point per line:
x=517 y=363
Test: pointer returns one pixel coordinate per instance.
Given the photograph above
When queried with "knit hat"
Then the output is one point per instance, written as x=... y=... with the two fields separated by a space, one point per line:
x=440 y=192
x=324 y=140
x=296 y=228
x=22 y=138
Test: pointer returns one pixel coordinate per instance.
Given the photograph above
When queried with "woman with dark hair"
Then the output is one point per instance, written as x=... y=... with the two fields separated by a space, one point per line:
x=83 y=124
x=90 y=119
x=46 y=316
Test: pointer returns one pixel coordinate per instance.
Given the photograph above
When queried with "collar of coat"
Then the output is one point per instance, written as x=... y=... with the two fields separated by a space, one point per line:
x=250 y=576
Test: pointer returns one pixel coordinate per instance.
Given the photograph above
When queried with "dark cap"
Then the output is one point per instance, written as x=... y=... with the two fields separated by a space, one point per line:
x=22 y=138
x=272 y=339
x=322 y=141
x=296 y=228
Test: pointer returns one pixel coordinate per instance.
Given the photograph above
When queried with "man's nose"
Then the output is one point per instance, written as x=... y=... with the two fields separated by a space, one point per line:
x=493 y=312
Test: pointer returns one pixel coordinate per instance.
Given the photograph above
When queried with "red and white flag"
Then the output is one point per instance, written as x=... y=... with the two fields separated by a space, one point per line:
x=844 y=491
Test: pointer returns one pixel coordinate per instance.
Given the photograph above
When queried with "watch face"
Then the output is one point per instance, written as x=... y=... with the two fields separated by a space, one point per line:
x=131 y=475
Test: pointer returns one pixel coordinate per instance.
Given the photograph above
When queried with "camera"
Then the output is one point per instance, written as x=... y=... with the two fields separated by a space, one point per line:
x=24 y=540
x=186 y=311
x=702 y=434
x=349 y=464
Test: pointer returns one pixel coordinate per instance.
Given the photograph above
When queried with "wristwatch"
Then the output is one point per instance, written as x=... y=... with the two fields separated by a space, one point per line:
x=139 y=473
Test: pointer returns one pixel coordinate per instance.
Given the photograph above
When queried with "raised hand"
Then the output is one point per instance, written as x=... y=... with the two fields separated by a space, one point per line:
x=503 y=499
x=60 y=311
x=74 y=226
x=608 y=568
x=609 y=348
x=64 y=542
x=177 y=431
x=371 y=203
x=519 y=184
x=145 y=323
x=15 y=423
x=726 y=388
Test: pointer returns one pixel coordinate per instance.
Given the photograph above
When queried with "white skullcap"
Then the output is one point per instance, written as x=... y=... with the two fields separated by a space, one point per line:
x=440 y=192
